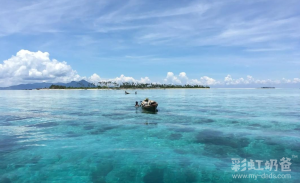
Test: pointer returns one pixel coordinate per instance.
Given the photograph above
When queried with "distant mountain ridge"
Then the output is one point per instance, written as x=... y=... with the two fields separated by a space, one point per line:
x=82 y=83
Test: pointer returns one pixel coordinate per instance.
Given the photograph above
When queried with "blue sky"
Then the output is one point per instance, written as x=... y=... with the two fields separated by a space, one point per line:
x=258 y=39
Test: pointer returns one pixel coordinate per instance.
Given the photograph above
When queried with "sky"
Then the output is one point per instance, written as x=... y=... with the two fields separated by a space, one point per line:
x=217 y=43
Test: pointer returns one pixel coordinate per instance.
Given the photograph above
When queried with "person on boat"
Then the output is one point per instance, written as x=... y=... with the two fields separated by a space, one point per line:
x=136 y=104
x=135 y=92
x=147 y=100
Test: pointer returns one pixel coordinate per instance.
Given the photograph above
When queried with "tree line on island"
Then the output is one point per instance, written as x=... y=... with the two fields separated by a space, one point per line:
x=125 y=85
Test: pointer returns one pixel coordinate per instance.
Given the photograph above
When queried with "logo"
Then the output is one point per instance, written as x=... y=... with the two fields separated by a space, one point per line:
x=271 y=165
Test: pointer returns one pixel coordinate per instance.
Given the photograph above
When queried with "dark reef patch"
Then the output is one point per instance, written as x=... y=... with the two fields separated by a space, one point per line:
x=180 y=151
x=5 y=123
x=99 y=174
x=150 y=123
x=184 y=175
x=8 y=118
x=219 y=138
x=114 y=116
x=266 y=126
x=104 y=129
x=270 y=141
x=7 y=143
x=190 y=176
x=159 y=135
x=72 y=134
x=184 y=162
x=203 y=110
x=35 y=159
x=71 y=123
x=184 y=129
x=80 y=113
x=89 y=127
x=5 y=180
x=175 y=136
x=127 y=175
x=255 y=125
x=156 y=175
x=218 y=151
x=44 y=125
x=201 y=121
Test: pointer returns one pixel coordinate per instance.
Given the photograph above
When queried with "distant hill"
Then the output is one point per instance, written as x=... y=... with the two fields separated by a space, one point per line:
x=81 y=83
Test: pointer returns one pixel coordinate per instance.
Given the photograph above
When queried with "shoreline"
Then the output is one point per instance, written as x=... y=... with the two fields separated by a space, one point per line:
x=120 y=89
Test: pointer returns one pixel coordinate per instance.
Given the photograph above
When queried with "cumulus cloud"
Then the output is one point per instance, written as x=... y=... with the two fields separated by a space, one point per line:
x=145 y=80
x=95 y=78
x=205 y=80
x=29 y=67
x=182 y=78
x=228 y=80
x=35 y=67
x=289 y=81
x=172 y=79
x=124 y=78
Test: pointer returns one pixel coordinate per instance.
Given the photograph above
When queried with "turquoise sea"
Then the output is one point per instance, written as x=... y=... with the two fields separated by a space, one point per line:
x=99 y=136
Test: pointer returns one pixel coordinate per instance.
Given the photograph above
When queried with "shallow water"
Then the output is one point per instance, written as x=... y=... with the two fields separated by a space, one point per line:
x=99 y=136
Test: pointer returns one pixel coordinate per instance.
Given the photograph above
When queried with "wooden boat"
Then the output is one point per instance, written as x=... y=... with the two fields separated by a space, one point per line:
x=149 y=105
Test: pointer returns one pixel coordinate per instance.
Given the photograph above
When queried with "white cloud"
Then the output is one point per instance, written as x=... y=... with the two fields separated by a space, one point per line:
x=205 y=80
x=145 y=80
x=35 y=67
x=123 y=78
x=295 y=80
x=29 y=67
x=95 y=78
x=248 y=81
x=182 y=75
x=228 y=80
x=183 y=79
x=172 y=79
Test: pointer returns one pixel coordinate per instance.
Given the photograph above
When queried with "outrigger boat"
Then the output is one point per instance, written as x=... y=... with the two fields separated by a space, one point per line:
x=149 y=105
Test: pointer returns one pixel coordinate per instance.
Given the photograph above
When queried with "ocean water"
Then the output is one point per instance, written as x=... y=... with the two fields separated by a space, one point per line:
x=99 y=136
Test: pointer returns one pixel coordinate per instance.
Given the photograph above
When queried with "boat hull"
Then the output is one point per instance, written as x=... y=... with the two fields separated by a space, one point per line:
x=150 y=107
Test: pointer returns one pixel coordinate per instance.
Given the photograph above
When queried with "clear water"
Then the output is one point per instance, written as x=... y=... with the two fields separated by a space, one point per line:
x=99 y=136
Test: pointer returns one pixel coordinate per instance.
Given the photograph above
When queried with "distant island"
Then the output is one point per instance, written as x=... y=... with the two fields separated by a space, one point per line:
x=45 y=85
x=267 y=87
x=126 y=85
x=83 y=84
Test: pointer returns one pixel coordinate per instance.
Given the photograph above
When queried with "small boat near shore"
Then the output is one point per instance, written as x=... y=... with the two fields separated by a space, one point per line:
x=150 y=105
x=267 y=87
